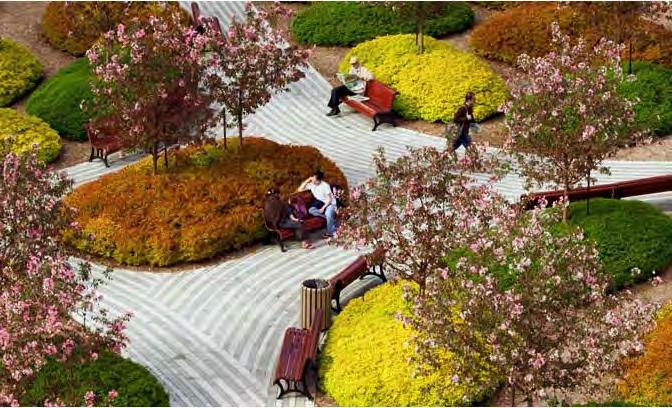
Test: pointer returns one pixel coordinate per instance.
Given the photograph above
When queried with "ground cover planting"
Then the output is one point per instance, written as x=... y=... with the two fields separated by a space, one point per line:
x=20 y=71
x=18 y=134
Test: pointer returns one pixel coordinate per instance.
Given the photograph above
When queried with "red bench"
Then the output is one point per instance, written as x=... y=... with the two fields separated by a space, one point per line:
x=298 y=358
x=357 y=269
x=310 y=224
x=379 y=104
x=630 y=188
x=103 y=142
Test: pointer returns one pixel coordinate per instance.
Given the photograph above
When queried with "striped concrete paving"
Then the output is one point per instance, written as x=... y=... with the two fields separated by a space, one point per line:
x=211 y=335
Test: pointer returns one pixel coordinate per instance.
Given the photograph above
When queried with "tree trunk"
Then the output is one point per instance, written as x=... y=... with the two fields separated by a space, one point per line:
x=529 y=400
x=513 y=395
x=165 y=156
x=155 y=157
x=421 y=32
x=565 y=208
x=630 y=57
x=240 y=129
x=224 y=127
x=588 y=198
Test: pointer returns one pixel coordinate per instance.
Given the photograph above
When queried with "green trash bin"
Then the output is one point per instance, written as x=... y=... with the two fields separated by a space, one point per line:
x=315 y=294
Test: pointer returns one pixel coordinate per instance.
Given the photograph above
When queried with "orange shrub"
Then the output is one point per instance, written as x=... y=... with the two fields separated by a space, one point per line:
x=648 y=379
x=202 y=205
x=527 y=29
x=74 y=26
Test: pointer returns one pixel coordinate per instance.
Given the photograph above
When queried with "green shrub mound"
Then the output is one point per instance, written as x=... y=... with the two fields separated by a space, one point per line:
x=431 y=85
x=19 y=132
x=58 y=101
x=653 y=87
x=136 y=386
x=364 y=361
x=349 y=23
x=628 y=234
x=20 y=71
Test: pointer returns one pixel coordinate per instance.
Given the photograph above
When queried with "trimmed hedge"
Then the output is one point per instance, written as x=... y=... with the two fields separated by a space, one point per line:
x=203 y=205
x=364 y=360
x=628 y=234
x=349 y=23
x=26 y=130
x=431 y=85
x=74 y=26
x=20 y=71
x=58 y=101
x=527 y=29
x=648 y=377
x=136 y=386
x=653 y=87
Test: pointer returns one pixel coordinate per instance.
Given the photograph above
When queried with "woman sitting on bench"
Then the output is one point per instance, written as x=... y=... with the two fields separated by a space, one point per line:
x=280 y=215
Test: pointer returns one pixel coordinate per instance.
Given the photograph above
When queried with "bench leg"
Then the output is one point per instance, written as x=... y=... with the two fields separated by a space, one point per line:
x=371 y=271
x=105 y=159
x=283 y=390
x=281 y=243
x=293 y=386
x=92 y=154
x=336 y=297
x=376 y=122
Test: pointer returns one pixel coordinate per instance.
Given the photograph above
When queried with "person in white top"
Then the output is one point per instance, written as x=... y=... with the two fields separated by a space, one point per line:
x=324 y=204
x=357 y=86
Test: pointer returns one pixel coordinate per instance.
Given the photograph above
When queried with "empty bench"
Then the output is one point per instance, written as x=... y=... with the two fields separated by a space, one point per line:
x=310 y=224
x=103 y=143
x=358 y=269
x=298 y=358
x=379 y=104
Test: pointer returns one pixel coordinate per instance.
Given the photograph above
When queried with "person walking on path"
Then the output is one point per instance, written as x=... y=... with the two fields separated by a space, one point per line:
x=463 y=119
x=353 y=84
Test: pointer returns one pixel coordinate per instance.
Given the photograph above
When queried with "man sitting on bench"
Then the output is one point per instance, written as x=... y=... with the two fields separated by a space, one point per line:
x=324 y=204
x=353 y=83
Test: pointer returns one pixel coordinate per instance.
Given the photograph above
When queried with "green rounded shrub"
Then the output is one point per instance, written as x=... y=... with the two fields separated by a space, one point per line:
x=68 y=382
x=20 y=71
x=653 y=88
x=431 y=85
x=364 y=361
x=629 y=234
x=58 y=101
x=19 y=132
x=349 y=23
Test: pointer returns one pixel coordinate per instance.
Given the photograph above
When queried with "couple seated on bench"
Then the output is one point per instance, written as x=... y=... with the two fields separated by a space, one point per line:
x=292 y=213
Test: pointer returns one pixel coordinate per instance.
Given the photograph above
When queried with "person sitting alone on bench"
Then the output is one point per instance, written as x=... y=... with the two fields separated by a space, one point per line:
x=355 y=83
x=324 y=204
x=281 y=215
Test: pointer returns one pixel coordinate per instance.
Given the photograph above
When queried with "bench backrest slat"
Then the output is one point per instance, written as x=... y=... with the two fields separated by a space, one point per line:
x=380 y=94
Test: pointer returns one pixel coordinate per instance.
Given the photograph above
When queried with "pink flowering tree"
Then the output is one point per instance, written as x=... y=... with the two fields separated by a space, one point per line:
x=416 y=205
x=251 y=61
x=568 y=115
x=527 y=301
x=49 y=308
x=148 y=86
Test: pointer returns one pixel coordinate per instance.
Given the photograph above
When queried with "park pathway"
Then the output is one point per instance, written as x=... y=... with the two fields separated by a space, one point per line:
x=211 y=335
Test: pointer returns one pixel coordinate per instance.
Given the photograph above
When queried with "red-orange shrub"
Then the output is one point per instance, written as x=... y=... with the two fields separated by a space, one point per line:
x=75 y=25
x=527 y=29
x=648 y=379
x=202 y=205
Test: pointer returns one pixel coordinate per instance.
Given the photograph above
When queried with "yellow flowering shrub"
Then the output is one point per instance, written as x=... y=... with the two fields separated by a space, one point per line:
x=431 y=85
x=20 y=71
x=648 y=379
x=365 y=359
x=19 y=132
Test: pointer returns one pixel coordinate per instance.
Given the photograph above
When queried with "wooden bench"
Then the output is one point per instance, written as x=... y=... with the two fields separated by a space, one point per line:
x=630 y=188
x=103 y=142
x=379 y=104
x=310 y=224
x=298 y=358
x=359 y=268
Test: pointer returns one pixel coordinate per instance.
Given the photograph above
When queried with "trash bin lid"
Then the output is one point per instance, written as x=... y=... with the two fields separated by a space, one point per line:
x=315 y=283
